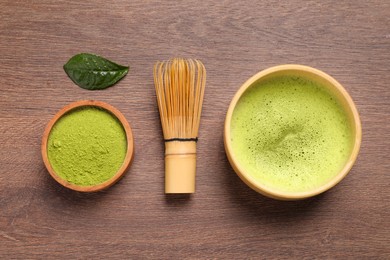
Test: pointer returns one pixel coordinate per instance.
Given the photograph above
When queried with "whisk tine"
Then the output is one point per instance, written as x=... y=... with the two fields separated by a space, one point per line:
x=180 y=88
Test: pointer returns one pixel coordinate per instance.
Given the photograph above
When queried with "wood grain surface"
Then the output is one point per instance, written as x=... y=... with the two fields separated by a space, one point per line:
x=224 y=219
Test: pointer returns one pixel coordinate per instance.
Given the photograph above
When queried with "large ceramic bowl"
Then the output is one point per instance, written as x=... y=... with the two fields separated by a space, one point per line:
x=335 y=89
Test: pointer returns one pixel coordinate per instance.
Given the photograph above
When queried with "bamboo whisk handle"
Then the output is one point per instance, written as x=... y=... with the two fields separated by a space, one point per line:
x=180 y=167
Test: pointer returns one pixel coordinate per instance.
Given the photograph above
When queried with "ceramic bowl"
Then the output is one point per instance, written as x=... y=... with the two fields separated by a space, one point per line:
x=129 y=152
x=338 y=92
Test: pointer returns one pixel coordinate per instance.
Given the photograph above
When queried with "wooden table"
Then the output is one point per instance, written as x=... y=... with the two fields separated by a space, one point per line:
x=225 y=219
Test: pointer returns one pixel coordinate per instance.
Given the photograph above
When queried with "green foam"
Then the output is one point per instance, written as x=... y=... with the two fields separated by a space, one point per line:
x=290 y=134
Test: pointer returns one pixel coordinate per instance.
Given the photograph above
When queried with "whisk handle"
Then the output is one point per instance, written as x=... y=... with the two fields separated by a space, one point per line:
x=180 y=167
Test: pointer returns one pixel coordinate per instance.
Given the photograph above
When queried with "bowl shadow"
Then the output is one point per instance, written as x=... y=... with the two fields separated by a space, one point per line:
x=71 y=198
x=261 y=207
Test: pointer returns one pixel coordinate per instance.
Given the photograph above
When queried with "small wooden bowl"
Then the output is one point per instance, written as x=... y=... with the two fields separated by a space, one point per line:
x=129 y=152
x=336 y=89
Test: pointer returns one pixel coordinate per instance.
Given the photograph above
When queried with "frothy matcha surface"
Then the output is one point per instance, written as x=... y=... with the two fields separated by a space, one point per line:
x=87 y=146
x=290 y=134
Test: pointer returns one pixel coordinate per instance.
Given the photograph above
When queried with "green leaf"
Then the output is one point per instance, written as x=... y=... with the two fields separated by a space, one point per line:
x=93 y=72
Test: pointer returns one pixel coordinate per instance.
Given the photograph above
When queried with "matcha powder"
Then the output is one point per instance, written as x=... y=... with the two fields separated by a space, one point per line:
x=87 y=146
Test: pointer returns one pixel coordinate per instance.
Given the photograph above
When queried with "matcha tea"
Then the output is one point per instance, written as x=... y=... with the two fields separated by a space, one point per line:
x=87 y=146
x=290 y=134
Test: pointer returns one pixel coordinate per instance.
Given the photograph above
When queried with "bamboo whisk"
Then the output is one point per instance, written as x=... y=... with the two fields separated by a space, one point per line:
x=180 y=85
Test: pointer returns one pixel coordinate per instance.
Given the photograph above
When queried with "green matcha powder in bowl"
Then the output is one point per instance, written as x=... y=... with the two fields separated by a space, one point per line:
x=87 y=146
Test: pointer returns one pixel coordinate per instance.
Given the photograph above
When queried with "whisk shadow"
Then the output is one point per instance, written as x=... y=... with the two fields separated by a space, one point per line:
x=177 y=199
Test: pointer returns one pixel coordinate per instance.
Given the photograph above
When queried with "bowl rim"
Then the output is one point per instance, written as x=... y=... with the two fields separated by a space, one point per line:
x=129 y=150
x=274 y=193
